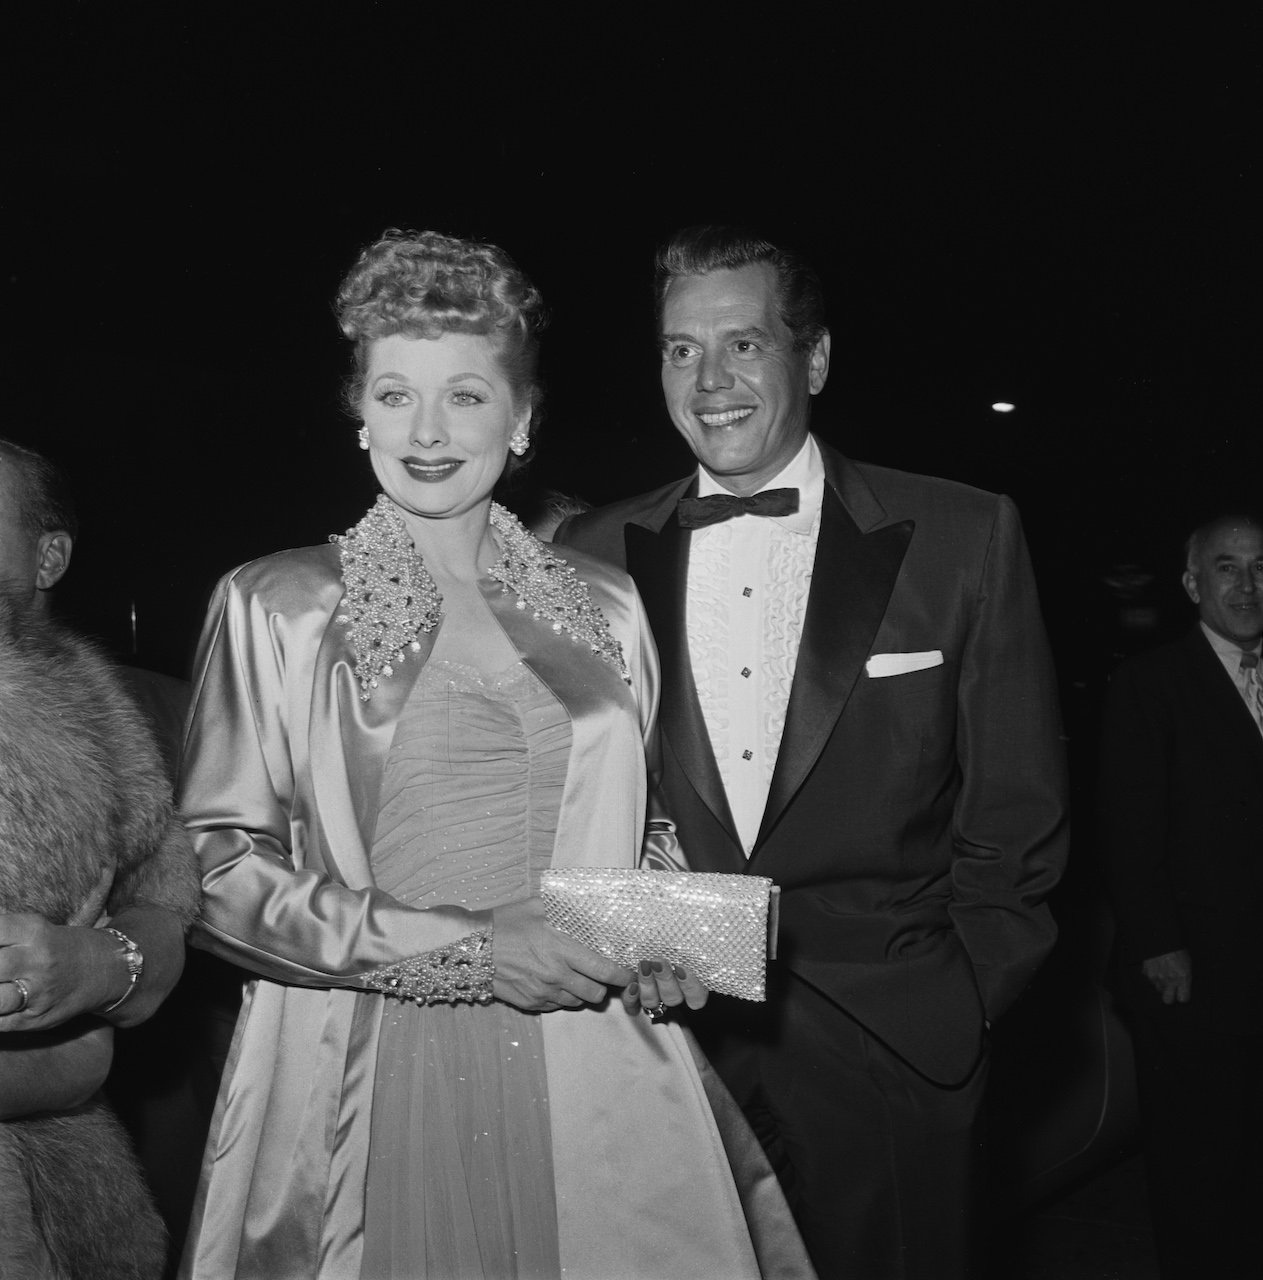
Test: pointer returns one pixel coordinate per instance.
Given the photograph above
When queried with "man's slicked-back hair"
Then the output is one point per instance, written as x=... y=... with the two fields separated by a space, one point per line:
x=44 y=500
x=699 y=250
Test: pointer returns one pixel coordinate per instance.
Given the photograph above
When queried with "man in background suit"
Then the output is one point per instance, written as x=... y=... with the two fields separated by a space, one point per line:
x=1182 y=832
x=857 y=702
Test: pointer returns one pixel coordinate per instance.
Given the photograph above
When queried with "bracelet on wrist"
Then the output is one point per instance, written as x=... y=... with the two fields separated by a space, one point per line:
x=131 y=953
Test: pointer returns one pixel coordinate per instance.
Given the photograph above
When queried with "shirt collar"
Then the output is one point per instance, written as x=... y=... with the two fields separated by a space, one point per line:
x=1227 y=648
x=804 y=472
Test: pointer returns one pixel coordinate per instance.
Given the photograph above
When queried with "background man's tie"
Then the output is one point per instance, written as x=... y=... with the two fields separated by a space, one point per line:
x=1251 y=685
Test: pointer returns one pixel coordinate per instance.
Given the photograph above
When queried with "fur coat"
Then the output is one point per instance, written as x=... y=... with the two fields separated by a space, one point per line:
x=85 y=820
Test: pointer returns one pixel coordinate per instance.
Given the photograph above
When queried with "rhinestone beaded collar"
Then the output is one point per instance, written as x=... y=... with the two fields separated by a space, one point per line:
x=391 y=598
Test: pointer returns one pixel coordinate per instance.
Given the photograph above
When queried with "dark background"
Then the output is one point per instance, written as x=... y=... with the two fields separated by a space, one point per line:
x=1043 y=207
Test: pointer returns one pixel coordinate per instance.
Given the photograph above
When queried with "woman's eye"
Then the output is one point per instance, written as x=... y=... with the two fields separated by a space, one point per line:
x=466 y=397
x=392 y=399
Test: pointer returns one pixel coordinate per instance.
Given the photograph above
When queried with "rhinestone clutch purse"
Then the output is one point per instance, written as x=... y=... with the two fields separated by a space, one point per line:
x=720 y=927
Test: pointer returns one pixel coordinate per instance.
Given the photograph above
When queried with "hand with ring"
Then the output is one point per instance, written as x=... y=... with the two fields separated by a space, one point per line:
x=15 y=995
x=659 y=987
x=51 y=973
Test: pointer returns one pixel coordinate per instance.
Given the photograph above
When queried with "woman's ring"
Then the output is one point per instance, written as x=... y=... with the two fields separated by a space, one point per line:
x=656 y=1014
x=23 y=992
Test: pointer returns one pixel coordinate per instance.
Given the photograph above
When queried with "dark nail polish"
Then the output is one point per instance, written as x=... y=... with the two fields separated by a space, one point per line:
x=656 y=966
x=679 y=972
x=645 y=969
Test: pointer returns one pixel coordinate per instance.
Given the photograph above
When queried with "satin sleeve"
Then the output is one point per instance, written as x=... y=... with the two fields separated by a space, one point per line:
x=268 y=903
x=660 y=849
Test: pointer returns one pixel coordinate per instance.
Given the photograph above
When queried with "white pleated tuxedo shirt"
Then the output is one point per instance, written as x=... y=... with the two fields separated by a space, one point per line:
x=748 y=581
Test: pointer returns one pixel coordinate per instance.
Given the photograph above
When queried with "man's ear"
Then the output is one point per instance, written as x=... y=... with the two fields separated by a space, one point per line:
x=1190 y=586
x=53 y=552
x=818 y=364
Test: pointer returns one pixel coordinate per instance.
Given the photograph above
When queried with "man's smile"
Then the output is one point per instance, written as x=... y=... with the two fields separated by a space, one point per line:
x=724 y=419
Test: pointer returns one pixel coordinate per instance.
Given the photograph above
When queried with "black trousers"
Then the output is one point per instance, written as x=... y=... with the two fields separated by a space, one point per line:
x=880 y=1166
x=1199 y=1088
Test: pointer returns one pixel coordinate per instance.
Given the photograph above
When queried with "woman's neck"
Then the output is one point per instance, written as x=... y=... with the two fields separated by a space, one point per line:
x=457 y=548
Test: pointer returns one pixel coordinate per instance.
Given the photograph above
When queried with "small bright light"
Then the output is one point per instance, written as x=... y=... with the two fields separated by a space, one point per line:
x=1003 y=406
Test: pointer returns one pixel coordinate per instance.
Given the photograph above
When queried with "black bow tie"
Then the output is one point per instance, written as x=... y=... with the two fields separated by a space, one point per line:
x=697 y=513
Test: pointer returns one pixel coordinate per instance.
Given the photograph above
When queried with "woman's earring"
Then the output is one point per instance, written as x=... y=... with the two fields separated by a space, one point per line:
x=362 y=436
x=519 y=442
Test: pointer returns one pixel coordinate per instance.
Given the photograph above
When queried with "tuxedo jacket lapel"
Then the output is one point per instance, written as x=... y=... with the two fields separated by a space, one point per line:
x=658 y=561
x=853 y=576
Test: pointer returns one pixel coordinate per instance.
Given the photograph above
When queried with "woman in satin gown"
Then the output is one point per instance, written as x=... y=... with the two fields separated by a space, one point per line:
x=392 y=737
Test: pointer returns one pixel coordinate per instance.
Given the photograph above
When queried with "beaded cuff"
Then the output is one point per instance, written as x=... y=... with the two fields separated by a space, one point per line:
x=462 y=970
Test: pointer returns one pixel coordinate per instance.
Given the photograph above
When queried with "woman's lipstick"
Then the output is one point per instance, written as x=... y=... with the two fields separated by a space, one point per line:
x=432 y=470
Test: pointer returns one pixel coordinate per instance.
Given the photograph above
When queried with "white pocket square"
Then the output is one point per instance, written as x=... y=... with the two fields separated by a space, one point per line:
x=899 y=664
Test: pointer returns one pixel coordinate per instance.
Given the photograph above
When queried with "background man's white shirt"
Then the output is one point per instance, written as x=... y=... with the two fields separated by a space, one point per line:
x=1230 y=655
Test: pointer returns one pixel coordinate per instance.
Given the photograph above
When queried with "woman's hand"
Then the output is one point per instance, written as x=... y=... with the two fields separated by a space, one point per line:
x=539 y=968
x=659 y=984
x=72 y=969
x=66 y=970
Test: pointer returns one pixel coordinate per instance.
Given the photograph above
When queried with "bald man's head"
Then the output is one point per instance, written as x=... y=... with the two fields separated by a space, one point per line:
x=1223 y=577
x=37 y=526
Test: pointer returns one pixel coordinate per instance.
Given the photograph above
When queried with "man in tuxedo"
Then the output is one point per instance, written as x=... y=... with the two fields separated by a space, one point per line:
x=1182 y=832
x=857 y=702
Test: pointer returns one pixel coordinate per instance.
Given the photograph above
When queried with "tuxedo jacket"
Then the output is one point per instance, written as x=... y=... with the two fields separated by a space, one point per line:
x=1181 y=797
x=916 y=820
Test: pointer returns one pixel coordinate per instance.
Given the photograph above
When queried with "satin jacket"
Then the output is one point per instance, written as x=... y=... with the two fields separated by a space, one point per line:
x=282 y=768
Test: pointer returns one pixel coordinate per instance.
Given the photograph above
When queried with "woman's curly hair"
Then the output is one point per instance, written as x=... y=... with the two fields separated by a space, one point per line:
x=424 y=284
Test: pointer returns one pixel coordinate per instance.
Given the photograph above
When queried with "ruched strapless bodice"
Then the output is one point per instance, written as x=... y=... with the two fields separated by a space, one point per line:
x=472 y=788
x=460 y=1179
